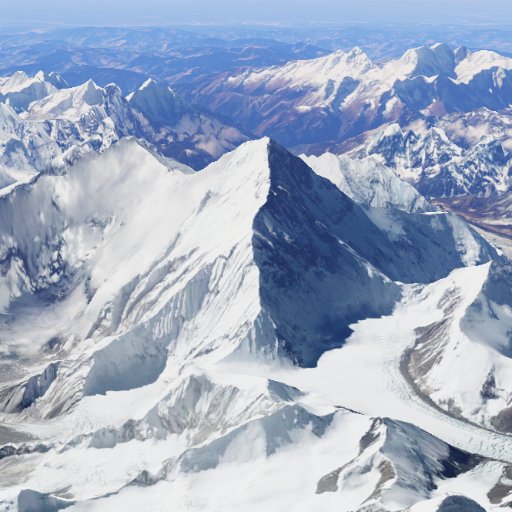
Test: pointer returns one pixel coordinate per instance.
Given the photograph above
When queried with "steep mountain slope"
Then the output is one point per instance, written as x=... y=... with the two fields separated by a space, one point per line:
x=338 y=235
x=474 y=334
x=490 y=215
x=26 y=148
x=177 y=129
x=368 y=182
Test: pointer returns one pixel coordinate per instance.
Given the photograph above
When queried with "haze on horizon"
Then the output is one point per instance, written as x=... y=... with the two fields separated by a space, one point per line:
x=168 y=12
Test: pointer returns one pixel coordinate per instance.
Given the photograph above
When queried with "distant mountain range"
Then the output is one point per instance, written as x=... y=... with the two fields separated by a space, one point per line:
x=342 y=95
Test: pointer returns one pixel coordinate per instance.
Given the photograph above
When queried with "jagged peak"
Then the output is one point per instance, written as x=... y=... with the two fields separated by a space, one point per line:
x=441 y=48
x=255 y=151
x=154 y=90
x=19 y=80
x=356 y=53
x=19 y=75
x=158 y=102
x=91 y=92
x=270 y=161
x=113 y=88
x=90 y=84
x=41 y=75
x=438 y=133
x=438 y=59
x=153 y=85
x=392 y=130
x=357 y=58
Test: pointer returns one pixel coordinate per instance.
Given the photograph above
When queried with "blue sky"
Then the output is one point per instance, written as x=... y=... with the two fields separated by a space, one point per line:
x=164 y=12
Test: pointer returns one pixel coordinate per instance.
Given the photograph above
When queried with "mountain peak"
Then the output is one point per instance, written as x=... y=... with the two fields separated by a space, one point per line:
x=429 y=61
x=40 y=75
x=150 y=82
x=158 y=102
x=359 y=58
x=90 y=85
x=154 y=86
x=92 y=94
x=254 y=152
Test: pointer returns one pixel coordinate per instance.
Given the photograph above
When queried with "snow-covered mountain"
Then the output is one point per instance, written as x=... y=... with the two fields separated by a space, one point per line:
x=19 y=90
x=26 y=149
x=76 y=120
x=342 y=95
x=368 y=182
x=473 y=333
x=437 y=166
x=267 y=331
x=176 y=129
x=190 y=338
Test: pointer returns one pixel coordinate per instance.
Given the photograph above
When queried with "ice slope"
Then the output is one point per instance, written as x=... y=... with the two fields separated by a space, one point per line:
x=130 y=299
x=368 y=182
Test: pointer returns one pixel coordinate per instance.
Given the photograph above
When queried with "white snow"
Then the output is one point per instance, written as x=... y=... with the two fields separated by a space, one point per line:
x=368 y=182
x=479 y=61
